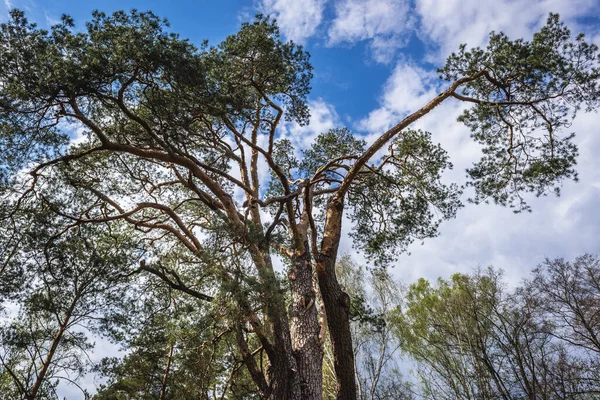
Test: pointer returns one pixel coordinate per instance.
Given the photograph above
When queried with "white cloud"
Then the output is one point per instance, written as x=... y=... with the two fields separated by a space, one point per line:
x=450 y=23
x=323 y=117
x=487 y=234
x=383 y=22
x=298 y=20
x=388 y=24
x=407 y=89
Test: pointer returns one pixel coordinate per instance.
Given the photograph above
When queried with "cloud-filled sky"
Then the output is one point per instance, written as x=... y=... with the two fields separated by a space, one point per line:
x=386 y=52
x=375 y=62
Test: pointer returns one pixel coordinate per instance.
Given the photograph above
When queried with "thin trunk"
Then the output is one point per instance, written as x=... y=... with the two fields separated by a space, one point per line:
x=282 y=373
x=48 y=360
x=163 y=382
x=337 y=302
x=379 y=367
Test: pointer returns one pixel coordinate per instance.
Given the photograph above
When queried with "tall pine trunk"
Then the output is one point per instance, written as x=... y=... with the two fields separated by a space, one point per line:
x=337 y=302
x=305 y=327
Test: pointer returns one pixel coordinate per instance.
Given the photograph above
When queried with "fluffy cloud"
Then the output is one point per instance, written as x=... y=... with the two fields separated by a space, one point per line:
x=383 y=22
x=388 y=24
x=323 y=117
x=446 y=24
x=297 y=20
x=407 y=89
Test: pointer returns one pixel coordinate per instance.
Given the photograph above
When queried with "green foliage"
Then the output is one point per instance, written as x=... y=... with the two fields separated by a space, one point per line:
x=531 y=92
x=395 y=202
x=472 y=338
x=171 y=137
x=430 y=311
x=329 y=146
x=256 y=58
x=75 y=284
x=130 y=76
x=181 y=346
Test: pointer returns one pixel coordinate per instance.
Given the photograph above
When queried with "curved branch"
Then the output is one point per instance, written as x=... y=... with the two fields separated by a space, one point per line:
x=178 y=285
x=383 y=139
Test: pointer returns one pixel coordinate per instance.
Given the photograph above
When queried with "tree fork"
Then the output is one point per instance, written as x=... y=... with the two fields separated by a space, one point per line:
x=337 y=302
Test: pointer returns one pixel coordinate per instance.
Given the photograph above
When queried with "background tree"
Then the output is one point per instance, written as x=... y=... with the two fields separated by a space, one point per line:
x=570 y=293
x=172 y=356
x=183 y=145
x=181 y=347
x=472 y=338
x=74 y=284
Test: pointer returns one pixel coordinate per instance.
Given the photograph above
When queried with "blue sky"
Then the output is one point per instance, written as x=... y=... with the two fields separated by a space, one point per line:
x=374 y=63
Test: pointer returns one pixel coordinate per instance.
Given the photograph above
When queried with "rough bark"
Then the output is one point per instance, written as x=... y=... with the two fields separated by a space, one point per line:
x=284 y=380
x=305 y=327
x=337 y=302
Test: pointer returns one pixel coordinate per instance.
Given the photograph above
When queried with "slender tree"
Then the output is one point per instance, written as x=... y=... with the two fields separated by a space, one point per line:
x=570 y=291
x=74 y=284
x=178 y=350
x=472 y=338
x=182 y=143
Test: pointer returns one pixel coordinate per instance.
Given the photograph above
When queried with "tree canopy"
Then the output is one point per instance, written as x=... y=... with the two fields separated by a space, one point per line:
x=124 y=129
